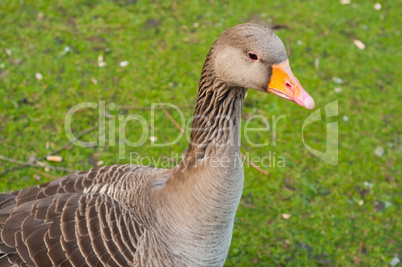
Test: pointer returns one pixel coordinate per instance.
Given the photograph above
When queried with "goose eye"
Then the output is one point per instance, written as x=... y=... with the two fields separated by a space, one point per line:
x=253 y=56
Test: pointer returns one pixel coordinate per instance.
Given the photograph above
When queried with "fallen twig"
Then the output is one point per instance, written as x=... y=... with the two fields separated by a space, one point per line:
x=359 y=261
x=288 y=49
x=26 y=164
x=46 y=174
x=115 y=87
x=11 y=160
x=171 y=118
x=69 y=143
x=248 y=205
x=33 y=164
x=254 y=165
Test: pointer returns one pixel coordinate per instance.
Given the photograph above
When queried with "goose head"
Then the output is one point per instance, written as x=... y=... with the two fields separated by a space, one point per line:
x=252 y=56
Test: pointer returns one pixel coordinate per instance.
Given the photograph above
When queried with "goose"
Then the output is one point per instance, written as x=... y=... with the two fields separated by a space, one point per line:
x=128 y=215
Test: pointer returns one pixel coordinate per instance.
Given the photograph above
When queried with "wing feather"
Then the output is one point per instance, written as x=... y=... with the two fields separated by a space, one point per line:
x=72 y=221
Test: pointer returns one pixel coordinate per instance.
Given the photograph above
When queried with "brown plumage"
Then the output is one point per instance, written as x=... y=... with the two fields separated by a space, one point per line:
x=127 y=215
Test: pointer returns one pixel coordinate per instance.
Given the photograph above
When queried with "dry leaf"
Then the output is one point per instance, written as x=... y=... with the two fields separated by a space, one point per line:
x=379 y=151
x=337 y=80
x=368 y=184
x=37 y=177
x=38 y=76
x=123 y=63
x=359 y=44
x=317 y=62
x=8 y=52
x=394 y=261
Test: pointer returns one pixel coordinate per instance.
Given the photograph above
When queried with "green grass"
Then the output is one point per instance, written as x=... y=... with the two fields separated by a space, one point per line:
x=166 y=51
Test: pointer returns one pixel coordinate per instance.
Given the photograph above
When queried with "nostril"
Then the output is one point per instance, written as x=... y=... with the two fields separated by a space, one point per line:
x=289 y=86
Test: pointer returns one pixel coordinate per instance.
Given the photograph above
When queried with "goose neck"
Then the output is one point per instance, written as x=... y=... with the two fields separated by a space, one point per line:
x=216 y=120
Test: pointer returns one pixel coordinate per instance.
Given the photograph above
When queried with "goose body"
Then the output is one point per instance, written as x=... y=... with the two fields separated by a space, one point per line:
x=127 y=215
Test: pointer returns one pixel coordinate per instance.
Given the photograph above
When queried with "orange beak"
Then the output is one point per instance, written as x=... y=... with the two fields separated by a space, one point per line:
x=284 y=84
